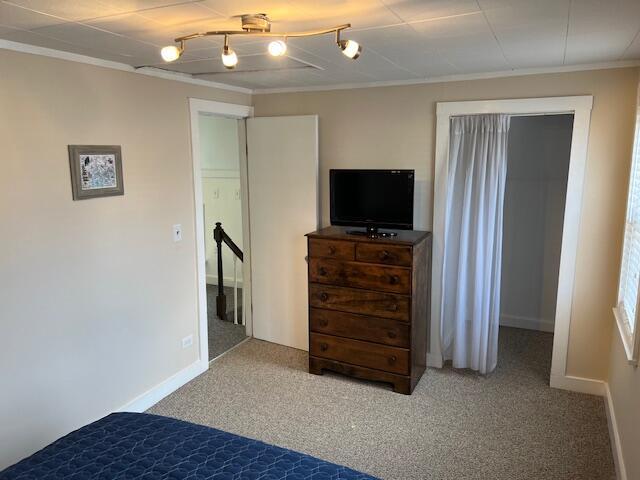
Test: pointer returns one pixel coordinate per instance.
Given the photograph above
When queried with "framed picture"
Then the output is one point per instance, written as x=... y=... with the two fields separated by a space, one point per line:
x=96 y=171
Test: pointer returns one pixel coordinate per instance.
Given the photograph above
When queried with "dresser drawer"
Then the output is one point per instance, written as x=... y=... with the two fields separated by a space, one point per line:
x=338 y=249
x=352 y=300
x=387 y=254
x=360 y=275
x=359 y=327
x=356 y=352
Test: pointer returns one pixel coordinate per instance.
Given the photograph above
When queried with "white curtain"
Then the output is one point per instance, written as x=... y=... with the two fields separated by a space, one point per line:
x=477 y=171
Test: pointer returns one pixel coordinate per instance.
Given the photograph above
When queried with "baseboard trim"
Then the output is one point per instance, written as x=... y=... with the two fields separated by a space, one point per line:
x=528 y=323
x=154 y=395
x=614 y=435
x=578 y=384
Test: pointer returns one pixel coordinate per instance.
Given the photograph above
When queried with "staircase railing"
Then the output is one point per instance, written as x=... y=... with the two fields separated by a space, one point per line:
x=220 y=236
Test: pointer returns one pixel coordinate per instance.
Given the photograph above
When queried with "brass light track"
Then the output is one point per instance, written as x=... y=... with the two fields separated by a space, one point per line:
x=259 y=25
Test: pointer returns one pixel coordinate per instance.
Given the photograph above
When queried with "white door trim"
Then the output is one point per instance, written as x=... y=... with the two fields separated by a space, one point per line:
x=580 y=106
x=230 y=110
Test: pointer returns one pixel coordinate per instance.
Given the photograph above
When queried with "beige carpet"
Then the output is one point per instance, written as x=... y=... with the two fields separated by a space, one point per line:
x=456 y=425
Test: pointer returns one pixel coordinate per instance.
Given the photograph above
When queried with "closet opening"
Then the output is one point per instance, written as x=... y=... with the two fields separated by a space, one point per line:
x=538 y=155
x=472 y=170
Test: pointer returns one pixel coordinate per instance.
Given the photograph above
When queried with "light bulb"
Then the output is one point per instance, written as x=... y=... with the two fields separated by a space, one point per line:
x=351 y=48
x=229 y=58
x=170 y=53
x=277 y=48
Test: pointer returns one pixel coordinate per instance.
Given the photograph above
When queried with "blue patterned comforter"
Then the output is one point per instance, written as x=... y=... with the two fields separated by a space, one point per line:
x=141 y=446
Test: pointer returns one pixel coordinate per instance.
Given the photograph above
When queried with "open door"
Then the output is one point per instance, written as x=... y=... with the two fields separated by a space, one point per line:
x=282 y=159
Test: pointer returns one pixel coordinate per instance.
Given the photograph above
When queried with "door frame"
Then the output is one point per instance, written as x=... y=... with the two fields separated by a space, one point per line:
x=580 y=107
x=238 y=112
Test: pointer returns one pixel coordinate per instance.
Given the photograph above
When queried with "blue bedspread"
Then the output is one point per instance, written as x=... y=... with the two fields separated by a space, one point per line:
x=141 y=446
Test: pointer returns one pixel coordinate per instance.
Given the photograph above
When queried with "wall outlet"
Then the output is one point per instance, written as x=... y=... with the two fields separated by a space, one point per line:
x=177 y=232
x=187 y=341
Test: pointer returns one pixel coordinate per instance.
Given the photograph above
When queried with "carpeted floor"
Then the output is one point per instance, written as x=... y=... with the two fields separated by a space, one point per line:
x=223 y=334
x=456 y=425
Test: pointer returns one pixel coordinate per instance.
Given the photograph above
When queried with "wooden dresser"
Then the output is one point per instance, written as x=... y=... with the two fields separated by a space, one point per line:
x=369 y=304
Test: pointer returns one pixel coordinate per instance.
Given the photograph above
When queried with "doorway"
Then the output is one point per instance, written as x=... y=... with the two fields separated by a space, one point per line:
x=221 y=196
x=580 y=107
x=538 y=152
x=221 y=140
x=278 y=165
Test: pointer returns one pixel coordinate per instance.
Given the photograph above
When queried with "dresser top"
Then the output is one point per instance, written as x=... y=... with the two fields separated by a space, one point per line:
x=404 y=237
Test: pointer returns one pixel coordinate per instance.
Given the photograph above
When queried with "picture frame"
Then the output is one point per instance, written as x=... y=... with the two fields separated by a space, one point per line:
x=96 y=171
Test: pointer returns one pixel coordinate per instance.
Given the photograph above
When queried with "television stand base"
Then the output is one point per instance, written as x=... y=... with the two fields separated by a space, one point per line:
x=372 y=233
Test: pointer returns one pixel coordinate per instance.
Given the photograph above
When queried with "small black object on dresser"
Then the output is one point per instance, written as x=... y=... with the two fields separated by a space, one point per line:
x=369 y=305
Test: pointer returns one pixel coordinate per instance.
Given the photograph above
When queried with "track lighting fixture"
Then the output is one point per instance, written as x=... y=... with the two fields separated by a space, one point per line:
x=260 y=25
x=277 y=48
x=350 y=48
x=172 y=53
x=229 y=57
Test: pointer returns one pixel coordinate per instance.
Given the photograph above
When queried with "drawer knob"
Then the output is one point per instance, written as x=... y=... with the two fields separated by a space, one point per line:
x=324 y=347
x=393 y=307
x=392 y=359
x=332 y=250
x=392 y=334
x=324 y=322
x=394 y=279
x=384 y=255
x=322 y=271
x=324 y=296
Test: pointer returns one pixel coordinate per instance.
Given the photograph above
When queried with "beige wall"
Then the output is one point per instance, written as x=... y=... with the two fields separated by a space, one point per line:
x=394 y=127
x=94 y=295
x=624 y=385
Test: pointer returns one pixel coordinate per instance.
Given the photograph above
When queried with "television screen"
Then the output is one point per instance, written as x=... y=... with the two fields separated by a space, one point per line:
x=372 y=198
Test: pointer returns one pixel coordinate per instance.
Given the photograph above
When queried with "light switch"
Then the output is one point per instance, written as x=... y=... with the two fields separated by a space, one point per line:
x=216 y=193
x=177 y=233
x=237 y=194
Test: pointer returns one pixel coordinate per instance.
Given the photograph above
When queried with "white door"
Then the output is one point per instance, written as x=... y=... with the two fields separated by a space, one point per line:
x=282 y=159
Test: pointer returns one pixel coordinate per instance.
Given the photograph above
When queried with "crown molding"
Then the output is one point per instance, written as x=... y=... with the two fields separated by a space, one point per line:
x=187 y=78
x=98 y=62
x=454 y=78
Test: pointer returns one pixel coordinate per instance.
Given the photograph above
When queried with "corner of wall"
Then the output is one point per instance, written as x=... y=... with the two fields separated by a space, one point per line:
x=614 y=435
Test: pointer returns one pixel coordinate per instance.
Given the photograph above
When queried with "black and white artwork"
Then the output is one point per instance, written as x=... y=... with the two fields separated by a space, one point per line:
x=96 y=171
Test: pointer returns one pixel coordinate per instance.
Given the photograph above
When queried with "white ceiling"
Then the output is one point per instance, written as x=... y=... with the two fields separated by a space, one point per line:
x=403 y=40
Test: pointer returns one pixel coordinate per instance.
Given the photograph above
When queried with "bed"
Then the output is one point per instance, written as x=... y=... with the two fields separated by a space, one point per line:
x=142 y=446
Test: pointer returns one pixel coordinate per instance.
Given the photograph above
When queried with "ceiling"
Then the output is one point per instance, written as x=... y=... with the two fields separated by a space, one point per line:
x=403 y=40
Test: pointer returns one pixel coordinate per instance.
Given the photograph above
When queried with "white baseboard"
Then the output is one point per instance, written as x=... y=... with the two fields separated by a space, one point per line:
x=614 y=435
x=228 y=282
x=170 y=385
x=528 y=323
x=578 y=384
x=434 y=361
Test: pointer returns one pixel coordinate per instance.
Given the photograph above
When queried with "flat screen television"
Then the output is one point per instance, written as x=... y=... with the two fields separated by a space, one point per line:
x=372 y=198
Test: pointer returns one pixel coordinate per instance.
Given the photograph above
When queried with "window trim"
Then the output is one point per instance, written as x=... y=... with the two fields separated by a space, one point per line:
x=630 y=340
